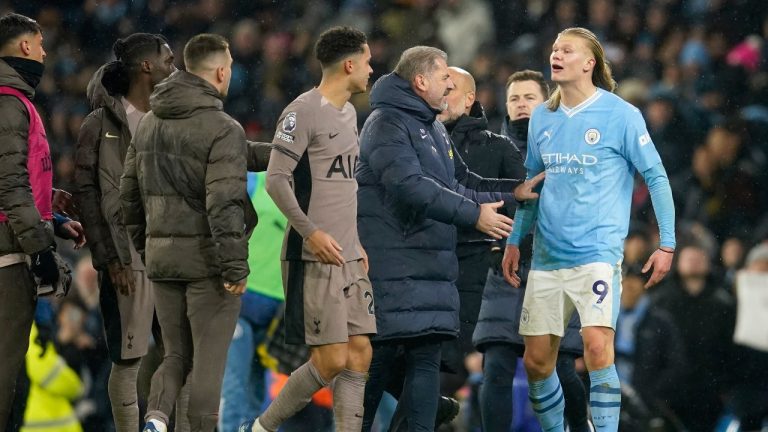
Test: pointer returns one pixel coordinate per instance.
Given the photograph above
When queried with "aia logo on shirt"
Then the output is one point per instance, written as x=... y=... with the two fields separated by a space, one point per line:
x=341 y=166
x=46 y=162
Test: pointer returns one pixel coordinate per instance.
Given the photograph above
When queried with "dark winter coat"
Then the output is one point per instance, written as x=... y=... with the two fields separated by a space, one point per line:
x=409 y=204
x=659 y=363
x=706 y=323
x=487 y=154
x=25 y=231
x=499 y=319
x=101 y=148
x=185 y=172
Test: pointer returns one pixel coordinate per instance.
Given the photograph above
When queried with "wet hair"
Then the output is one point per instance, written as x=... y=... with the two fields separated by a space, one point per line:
x=201 y=47
x=529 y=75
x=418 y=60
x=129 y=53
x=601 y=74
x=14 y=25
x=337 y=43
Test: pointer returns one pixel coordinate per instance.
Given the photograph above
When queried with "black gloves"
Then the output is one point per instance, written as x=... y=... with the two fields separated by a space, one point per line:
x=44 y=266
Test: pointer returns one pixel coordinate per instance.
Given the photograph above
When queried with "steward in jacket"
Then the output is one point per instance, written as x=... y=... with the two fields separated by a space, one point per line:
x=54 y=386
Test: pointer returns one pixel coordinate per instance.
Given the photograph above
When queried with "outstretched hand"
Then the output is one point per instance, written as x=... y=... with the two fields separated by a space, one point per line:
x=492 y=223
x=525 y=191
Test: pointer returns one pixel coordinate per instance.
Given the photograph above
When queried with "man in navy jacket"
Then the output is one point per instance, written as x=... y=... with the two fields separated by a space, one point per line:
x=409 y=204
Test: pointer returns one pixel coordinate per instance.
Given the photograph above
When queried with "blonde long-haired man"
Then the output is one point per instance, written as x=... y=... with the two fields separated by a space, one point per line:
x=590 y=143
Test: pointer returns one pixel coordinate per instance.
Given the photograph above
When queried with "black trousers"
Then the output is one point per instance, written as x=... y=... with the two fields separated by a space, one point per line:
x=412 y=365
x=18 y=298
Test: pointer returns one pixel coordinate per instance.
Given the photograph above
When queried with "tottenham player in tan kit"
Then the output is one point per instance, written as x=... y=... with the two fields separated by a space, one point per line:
x=329 y=302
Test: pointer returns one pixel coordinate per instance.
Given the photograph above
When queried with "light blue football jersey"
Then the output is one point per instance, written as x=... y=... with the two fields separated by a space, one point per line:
x=590 y=153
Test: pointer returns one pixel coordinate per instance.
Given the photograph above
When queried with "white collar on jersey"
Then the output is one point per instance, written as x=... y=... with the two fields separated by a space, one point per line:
x=570 y=112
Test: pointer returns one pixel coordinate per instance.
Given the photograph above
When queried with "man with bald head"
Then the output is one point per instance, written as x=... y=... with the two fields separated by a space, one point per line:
x=489 y=155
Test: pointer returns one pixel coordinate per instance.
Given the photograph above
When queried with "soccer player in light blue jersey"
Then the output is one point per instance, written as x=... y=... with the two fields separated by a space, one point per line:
x=591 y=143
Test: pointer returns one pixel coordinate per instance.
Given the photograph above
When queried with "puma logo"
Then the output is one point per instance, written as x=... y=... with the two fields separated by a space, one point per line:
x=317 y=325
x=109 y=135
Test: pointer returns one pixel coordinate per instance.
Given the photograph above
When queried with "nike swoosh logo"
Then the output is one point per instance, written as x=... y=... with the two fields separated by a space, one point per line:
x=128 y=404
x=332 y=135
x=109 y=135
x=358 y=415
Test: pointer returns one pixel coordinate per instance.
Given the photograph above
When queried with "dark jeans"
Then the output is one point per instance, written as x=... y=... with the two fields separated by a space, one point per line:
x=419 y=359
x=499 y=366
x=17 y=310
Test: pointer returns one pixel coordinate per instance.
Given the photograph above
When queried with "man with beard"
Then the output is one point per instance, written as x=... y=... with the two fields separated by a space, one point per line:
x=409 y=204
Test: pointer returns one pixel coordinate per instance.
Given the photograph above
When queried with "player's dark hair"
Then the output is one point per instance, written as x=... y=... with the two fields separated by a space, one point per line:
x=338 y=43
x=601 y=74
x=14 y=25
x=529 y=75
x=201 y=47
x=129 y=53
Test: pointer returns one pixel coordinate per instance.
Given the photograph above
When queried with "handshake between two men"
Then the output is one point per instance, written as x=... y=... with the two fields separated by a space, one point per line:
x=497 y=225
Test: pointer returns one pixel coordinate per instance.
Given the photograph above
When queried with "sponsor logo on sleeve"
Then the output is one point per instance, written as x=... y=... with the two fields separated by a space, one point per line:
x=644 y=139
x=284 y=136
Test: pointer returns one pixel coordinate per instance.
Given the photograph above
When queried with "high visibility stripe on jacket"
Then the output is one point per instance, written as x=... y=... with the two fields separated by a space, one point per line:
x=53 y=387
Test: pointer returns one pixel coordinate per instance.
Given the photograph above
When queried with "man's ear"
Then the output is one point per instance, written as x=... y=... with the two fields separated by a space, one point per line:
x=220 y=74
x=25 y=47
x=348 y=66
x=420 y=81
x=146 y=66
x=589 y=65
x=470 y=99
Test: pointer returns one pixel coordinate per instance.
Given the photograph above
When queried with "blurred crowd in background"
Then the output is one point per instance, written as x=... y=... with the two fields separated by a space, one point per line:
x=697 y=69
